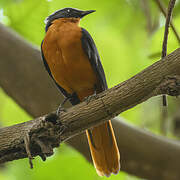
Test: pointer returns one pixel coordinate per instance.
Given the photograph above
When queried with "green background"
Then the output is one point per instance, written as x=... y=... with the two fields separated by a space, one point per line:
x=125 y=45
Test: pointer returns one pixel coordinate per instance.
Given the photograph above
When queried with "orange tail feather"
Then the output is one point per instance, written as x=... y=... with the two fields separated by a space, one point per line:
x=103 y=146
x=104 y=150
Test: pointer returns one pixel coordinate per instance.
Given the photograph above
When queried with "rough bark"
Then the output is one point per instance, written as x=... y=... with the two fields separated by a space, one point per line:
x=37 y=95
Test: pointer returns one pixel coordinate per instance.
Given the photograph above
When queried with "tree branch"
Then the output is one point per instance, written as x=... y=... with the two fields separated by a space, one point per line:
x=37 y=94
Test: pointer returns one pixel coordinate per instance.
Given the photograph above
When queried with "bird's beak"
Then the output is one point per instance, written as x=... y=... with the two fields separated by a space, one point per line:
x=84 y=13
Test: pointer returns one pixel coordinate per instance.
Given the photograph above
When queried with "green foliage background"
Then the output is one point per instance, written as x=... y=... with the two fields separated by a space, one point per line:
x=119 y=29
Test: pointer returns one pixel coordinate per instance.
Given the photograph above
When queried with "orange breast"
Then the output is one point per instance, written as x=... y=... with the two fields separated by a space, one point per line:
x=65 y=56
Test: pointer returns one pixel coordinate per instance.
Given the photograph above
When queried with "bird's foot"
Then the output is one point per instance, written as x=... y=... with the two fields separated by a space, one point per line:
x=91 y=97
x=58 y=113
x=52 y=117
x=60 y=109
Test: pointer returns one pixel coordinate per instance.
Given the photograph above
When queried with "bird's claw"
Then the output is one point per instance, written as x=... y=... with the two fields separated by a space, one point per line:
x=62 y=129
x=60 y=109
x=52 y=117
x=89 y=98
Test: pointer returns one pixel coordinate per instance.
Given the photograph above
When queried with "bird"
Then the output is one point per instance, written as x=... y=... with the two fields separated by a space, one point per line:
x=72 y=60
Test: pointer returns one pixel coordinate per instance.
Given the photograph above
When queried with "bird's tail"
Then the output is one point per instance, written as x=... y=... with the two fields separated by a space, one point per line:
x=104 y=150
x=103 y=146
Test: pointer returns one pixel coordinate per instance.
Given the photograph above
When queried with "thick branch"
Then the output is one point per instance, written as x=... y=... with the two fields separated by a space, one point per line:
x=163 y=77
x=18 y=60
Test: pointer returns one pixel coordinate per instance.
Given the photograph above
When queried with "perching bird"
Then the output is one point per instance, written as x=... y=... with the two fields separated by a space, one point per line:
x=72 y=60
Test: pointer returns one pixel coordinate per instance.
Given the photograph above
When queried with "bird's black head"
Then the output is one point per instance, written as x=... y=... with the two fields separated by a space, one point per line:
x=66 y=13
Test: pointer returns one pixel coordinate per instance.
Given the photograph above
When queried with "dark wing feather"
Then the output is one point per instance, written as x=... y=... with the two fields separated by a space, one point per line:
x=73 y=97
x=93 y=55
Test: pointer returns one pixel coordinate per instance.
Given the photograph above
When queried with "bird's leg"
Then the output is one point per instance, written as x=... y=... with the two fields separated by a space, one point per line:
x=61 y=108
x=52 y=117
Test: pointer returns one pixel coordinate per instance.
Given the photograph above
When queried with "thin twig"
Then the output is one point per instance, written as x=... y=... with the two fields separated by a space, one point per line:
x=168 y=18
x=164 y=53
x=163 y=10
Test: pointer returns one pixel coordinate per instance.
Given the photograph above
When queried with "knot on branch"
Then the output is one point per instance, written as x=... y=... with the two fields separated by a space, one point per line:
x=43 y=137
x=170 y=85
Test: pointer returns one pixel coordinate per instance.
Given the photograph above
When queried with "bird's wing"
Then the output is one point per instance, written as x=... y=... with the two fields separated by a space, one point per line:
x=93 y=55
x=73 y=97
